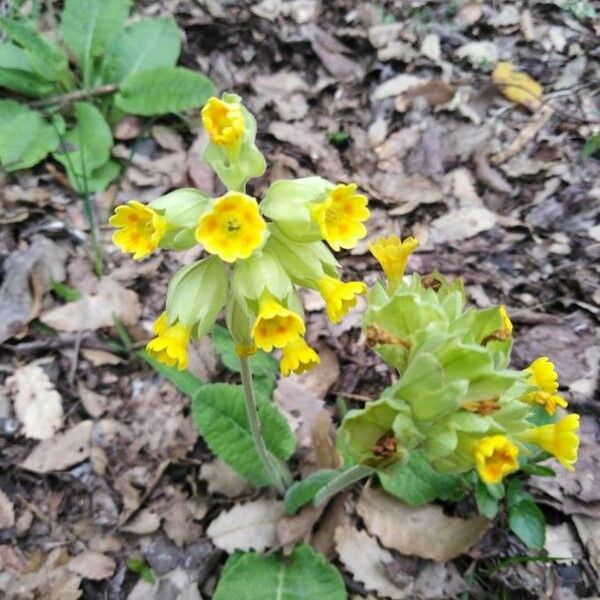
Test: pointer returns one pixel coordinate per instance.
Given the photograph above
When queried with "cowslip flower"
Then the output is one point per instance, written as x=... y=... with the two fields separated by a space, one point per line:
x=275 y=326
x=340 y=216
x=495 y=457
x=139 y=228
x=233 y=228
x=223 y=121
x=170 y=344
x=297 y=357
x=546 y=400
x=392 y=254
x=339 y=296
x=543 y=375
x=559 y=439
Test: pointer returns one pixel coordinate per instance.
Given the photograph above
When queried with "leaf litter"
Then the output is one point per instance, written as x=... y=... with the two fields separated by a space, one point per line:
x=486 y=173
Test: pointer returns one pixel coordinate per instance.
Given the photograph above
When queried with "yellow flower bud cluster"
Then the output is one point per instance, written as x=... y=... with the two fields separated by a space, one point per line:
x=259 y=254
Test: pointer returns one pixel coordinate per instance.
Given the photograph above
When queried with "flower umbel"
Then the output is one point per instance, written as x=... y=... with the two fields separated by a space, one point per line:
x=392 y=254
x=140 y=228
x=495 y=457
x=298 y=357
x=339 y=296
x=276 y=326
x=559 y=439
x=340 y=216
x=170 y=345
x=233 y=228
x=223 y=121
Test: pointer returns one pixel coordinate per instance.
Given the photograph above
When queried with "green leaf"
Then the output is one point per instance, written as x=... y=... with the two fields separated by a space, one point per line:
x=220 y=414
x=416 y=482
x=88 y=26
x=48 y=60
x=163 y=90
x=86 y=148
x=486 y=503
x=26 y=137
x=591 y=145
x=302 y=492
x=304 y=575
x=539 y=470
x=527 y=522
x=16 y=73
x=147 y=44
x=184 y=381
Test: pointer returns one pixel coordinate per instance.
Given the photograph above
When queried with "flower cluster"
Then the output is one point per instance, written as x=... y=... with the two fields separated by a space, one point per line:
x=259 y=254
x=457 y=400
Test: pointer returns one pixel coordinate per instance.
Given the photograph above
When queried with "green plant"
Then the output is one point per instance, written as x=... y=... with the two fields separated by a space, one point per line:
x=100 y=70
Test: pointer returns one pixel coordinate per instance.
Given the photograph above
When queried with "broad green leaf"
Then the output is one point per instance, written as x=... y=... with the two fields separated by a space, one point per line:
x=163 y=90
x=17 y=74
x=96 y=181
x=527 y=522
x=184 y=381
x=26 y=137
x=88 y=26
x=416 y=482
x=86 y=147
x=302 y=492
x=66 y=292
x=147 y=44
x=220 y=414
x=304 y=575
x=486 y=503
x=45 y=58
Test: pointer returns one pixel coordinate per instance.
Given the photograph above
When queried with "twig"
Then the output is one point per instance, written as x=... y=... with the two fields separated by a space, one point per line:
x=109 y=88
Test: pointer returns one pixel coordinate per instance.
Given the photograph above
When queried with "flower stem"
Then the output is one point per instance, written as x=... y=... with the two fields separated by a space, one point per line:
x=342 y=481
x=252 y=413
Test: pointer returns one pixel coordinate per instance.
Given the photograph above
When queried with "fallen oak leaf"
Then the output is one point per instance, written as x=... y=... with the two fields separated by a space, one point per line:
x=250 y=526
x=423 y=531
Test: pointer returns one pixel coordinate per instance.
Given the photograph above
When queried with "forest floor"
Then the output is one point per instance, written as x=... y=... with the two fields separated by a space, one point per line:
x=397 y=97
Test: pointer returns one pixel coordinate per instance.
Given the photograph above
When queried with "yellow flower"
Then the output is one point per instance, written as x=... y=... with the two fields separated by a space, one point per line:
x=543 y=374
x=276 y=326
x=559 y=439
x=298 y=356
x=339 y=296
x=140 y=228
x=233 y=228
x=495 y=457
x=223 y=121
x=507 y=325
x=547 y=400
x=340 y=216
x=392 y=254
x=170 y=344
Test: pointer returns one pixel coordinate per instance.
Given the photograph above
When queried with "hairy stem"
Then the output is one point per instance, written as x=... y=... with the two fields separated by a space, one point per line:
x=75 y=95
x=341 y=482
x=252 y=413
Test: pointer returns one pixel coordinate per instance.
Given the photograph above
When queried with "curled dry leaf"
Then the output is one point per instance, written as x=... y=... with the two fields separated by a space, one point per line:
x=92 y=565
x=250 y=526
x=94 y=311
x=28 y=275
x=37 y=403
x=62 y=451
x=423 y=531
x=366 y=560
